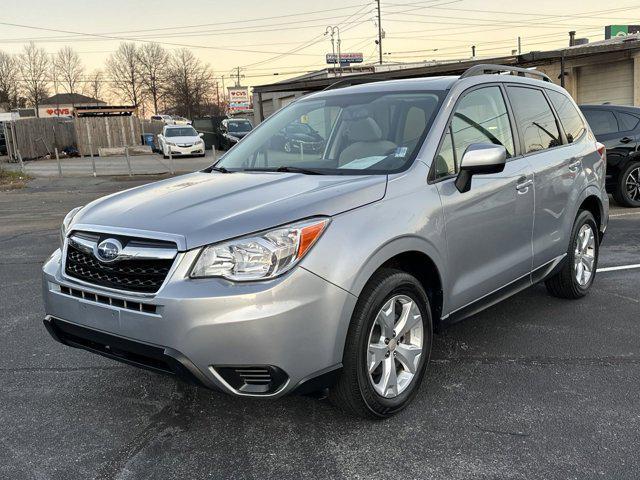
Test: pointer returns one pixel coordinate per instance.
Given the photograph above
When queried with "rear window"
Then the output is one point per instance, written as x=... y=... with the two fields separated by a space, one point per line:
x=602 y=122
x=569 y=116
x=536 y=120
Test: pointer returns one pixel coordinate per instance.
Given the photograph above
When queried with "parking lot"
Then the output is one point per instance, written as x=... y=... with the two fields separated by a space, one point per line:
x=534 y=387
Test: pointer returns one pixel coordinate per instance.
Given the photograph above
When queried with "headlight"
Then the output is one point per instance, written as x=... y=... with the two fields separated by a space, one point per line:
x=262 y=256
x=65 y=224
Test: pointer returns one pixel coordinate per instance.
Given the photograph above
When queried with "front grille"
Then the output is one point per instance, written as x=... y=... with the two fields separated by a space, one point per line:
x=134 y=275
x=108 y=300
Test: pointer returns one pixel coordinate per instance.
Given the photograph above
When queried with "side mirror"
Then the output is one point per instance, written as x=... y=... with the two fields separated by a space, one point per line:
x=480 y=159
x=201 y=135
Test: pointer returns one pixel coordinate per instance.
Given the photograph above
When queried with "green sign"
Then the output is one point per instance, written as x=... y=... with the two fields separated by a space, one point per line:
x=611 y=31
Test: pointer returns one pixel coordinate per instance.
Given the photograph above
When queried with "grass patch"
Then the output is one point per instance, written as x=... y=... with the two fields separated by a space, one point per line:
x=10 y=180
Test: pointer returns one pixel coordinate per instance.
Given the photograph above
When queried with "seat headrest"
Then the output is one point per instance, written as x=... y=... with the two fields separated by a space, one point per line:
x=364 y=130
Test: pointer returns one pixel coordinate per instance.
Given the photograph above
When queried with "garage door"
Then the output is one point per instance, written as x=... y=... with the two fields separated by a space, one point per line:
x=608 y=82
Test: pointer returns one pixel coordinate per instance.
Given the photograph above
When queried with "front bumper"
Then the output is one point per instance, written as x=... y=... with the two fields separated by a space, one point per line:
x=196 y=149
x=296 y=323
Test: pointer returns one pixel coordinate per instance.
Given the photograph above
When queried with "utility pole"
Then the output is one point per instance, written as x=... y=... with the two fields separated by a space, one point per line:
x=519 y=46
x=238 y=76
x=335 y=31
x=379 y=32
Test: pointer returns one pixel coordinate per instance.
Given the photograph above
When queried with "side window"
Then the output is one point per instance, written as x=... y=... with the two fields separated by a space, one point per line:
x=445 y=159
x=568 y=113
x=480 y=117
x=627 y=122
x=602 y=122
x=537 y=123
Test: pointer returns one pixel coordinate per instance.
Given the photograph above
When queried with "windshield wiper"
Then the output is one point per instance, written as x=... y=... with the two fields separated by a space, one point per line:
x=306 y=171
x=218 y=169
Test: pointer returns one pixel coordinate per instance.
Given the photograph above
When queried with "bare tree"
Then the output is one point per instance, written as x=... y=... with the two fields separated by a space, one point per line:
x=93 y=86
x=153 y=68
x=68 y=69
x=124 y=69
x=189 y=83
x=8 y=80
x=34 y=69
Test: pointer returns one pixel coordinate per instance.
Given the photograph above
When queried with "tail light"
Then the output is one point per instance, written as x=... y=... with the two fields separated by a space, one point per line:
x=602 y=150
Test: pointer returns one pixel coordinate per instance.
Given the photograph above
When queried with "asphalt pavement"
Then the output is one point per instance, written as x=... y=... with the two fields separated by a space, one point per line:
x=535 y=387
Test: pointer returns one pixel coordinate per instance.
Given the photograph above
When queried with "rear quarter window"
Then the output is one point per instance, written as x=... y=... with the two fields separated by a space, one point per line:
x=627 y=121
x=569 y=116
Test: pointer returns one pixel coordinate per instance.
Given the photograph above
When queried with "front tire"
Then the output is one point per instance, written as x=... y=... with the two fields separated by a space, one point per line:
x=387 y=347
x=627 y=191
x=575 y=278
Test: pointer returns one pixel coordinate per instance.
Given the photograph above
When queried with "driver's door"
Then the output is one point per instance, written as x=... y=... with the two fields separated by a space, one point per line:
x=488 y=228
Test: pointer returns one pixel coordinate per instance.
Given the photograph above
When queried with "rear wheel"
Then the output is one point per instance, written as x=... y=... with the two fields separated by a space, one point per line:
x=387 y=348
x=627 y=191
x=579 y=268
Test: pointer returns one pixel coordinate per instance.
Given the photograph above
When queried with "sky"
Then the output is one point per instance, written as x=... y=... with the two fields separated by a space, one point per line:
x=285 y=37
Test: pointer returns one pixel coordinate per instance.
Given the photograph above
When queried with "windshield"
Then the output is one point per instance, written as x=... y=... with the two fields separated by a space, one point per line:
x=369 y=133
x=181 y=132
x=237 y=126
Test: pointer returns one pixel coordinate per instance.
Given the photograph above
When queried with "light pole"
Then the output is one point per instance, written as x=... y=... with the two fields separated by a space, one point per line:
x=335 y=33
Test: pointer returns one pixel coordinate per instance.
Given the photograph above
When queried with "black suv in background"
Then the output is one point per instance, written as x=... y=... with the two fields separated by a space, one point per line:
x=618 y=128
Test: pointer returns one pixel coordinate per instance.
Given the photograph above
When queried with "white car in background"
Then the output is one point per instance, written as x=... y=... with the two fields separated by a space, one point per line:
x=178 y=120
x=166 y=119
x=180 y=140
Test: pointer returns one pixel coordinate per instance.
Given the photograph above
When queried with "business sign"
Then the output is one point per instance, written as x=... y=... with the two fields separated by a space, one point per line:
x=239 y=100
x=57 y=111
x=345 y=58
x=611 y=31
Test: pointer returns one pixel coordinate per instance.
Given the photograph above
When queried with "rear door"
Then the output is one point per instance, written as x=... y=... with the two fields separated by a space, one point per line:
x=556 y=166
x=488 y=228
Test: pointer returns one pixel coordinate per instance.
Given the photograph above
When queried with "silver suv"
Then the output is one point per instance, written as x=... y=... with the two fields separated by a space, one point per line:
x=408 y=205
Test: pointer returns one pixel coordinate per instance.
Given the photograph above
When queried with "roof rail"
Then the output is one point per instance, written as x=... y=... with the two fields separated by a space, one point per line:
x=488 y=68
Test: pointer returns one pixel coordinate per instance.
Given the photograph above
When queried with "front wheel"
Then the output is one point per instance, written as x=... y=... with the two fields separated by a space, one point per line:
x=627 y=191
x=579 y=269
x=387 y=348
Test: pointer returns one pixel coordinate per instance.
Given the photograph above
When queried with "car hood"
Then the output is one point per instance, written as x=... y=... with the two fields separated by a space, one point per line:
x=203 y=208
x=183 y=139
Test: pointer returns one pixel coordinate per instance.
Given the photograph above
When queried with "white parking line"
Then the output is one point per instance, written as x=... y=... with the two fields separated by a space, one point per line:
x=624 y=214
x=622 y=267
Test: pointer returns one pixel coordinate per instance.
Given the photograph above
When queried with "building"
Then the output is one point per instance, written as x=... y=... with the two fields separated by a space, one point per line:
x=598 y=72
x=63 y=104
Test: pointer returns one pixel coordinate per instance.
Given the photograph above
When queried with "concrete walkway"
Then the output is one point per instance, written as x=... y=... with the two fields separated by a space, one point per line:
x=111 y=166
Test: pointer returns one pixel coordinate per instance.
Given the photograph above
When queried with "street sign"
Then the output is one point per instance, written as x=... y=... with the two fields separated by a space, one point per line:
x=345 y=58
x=611 y=31
x=239 y=100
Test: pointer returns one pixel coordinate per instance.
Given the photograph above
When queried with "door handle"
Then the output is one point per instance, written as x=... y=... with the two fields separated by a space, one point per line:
x=523 y=185
x=573 y=166
x=626 y=140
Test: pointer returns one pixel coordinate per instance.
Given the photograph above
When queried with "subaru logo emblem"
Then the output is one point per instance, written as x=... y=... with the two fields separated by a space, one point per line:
x=108 y=250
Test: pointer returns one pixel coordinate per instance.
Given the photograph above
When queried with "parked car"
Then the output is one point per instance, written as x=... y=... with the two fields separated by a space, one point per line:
x=178 y=120
x=166 y=119
x=618 y=127
x=232 y=130
x=297 y=137
x=180 y=140
x=268 y=273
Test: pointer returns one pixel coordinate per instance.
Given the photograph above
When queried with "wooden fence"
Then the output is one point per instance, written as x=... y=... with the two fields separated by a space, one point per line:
x=37 y=137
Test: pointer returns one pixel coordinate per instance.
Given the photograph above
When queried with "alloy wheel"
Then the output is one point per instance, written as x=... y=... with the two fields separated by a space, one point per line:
x=395 y=345
x=632 y=184
x=584 y=255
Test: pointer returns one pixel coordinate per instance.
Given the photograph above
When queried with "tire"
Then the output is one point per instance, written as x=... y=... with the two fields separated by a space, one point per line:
x=565 y=284
x=628 y=177
x=354 y=391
